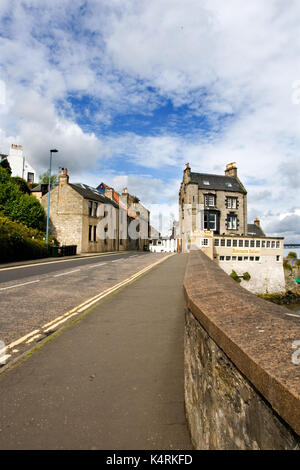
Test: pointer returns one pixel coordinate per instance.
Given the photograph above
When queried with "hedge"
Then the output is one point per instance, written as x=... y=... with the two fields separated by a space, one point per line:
x=18 y=242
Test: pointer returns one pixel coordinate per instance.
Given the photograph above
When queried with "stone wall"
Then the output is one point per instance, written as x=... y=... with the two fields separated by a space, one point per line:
x=242 y=379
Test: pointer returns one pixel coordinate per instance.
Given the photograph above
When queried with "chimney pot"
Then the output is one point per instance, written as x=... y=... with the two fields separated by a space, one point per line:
x=231 y=170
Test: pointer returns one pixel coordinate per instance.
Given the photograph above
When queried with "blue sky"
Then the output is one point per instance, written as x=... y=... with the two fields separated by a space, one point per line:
x=131 y=90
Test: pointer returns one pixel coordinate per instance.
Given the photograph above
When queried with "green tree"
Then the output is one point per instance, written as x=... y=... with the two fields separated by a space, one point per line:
x=21 y=184
x=4 y=163
x=44 y=178
x=292 y=254
x=19 y=206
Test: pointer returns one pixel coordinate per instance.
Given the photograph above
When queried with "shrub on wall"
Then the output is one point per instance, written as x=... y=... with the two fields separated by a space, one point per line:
x=234 y=276
x=246 y=276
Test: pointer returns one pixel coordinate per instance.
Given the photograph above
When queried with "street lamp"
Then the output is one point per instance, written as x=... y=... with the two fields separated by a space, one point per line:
x=49 y=189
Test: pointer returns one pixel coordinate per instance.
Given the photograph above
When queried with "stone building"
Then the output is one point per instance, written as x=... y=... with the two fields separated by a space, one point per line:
x=139 y=229
x=84 y=216
x=213 y=218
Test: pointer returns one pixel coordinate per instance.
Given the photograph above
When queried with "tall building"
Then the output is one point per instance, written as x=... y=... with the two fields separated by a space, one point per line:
x=19 y=165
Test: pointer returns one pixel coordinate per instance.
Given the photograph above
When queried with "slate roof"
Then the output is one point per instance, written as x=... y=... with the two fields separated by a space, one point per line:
x=92 y=193
x=255 y=231
x=217 y=182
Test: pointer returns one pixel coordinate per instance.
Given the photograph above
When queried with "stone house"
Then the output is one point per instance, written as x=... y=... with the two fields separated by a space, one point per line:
x=213 y=218
x=84 y=216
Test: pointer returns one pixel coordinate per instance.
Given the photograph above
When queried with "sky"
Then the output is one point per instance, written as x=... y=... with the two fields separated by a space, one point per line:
x=129 y=91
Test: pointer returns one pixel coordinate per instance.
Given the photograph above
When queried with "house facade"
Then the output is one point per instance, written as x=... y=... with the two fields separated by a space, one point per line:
x=213 y=218
x=84 y=216
x=19 y=165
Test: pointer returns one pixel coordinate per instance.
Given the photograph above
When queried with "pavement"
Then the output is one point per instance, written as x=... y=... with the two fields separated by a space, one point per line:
x=113 y=380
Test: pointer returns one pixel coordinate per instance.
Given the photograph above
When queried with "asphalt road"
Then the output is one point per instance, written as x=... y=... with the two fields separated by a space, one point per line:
x=33 y=296
x=23 y=271
x=113 y=380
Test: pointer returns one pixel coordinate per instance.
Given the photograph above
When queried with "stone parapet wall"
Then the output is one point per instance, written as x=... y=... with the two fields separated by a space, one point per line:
x=242 y=378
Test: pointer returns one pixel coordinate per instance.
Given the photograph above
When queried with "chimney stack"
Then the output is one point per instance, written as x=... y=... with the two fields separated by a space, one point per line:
x=257 y=222
x=231 y=170
x=63 y=177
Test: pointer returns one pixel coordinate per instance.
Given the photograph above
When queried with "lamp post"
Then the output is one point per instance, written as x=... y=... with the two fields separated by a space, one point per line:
x=49 y=189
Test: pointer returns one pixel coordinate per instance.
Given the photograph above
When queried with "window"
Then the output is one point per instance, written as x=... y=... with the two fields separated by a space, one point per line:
x=241 y=243
x=257 y=258
x=268 y=244
x=210 y=221
x=222 y=242
x=278 y=244
x=204 y=242
x=228 y=243
x=273 y=244
x=209 y=200
x=231 y=202
x=229 y=185
x=277 y=258
x=95 y=233
x=240 y=258
x=246 y=258
x=30 y=177
x=232 y=222
x=251 y=258
x=246 y=243
x=95 y=209
x=234 y=258
x=206 y=183
x=222 y=258
x=252 y=243
x=90 y=233
x=263 y=244
x=257 y=243
x=234 y=242
x=228 y=258
x=90 y=207
x=217 y=242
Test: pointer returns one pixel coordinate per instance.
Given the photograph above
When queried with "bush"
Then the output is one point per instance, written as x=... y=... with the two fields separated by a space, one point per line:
x=21 y=184
x=18 y=206
x=18 y=242
x=234 y=276
x=246 y=276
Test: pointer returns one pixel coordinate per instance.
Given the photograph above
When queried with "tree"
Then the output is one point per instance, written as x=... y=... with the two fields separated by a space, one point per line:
x=292 y=254
x=19 y=206
x=22 y=184
x=4 y=163
x=44 y=178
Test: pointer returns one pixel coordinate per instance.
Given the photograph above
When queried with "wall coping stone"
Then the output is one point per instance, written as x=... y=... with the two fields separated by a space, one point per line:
x=255 y=334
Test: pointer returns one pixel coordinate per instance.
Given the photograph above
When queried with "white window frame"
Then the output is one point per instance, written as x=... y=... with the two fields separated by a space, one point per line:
x=204 y=242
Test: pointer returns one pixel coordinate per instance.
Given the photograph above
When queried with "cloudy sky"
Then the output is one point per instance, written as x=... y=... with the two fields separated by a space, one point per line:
x=131 y=90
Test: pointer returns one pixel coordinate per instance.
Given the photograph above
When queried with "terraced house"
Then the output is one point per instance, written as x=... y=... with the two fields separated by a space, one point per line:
x=213 y=218
x=85 y=216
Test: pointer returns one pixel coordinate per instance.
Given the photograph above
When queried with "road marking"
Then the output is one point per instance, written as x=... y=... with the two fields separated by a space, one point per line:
x=20 y=340
x=293 y=315
x=134 y=256
x=116 y=260
x=69 y=272
x=30 y=337
x=112 y=253
x=94 y=265
x=19 y=285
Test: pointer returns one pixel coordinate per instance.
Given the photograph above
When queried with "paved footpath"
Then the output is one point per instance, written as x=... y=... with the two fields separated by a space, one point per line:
x=113 y=380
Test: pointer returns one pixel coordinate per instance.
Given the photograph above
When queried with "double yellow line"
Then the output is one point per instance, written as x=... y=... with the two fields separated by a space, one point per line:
x=53 y=324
